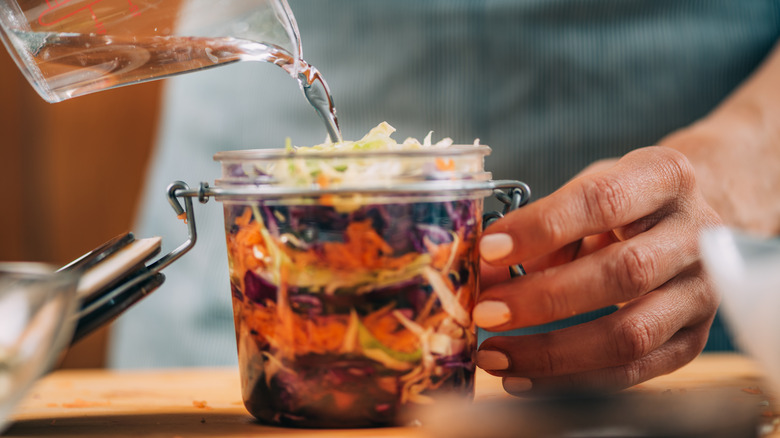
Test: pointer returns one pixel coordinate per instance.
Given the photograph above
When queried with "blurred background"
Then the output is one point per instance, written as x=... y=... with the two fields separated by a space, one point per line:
x=70 y=174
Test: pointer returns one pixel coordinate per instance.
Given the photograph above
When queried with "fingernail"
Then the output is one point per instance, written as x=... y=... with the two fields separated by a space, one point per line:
x=495 y=246
x=491 y=313
x=516 y=385
x=492 y=360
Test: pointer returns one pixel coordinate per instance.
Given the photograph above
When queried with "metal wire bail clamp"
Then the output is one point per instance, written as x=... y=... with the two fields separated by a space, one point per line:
x=516 y=197
x=517 y=194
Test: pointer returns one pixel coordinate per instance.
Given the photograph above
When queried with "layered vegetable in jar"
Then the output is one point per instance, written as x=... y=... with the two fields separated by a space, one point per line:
x=353 y=270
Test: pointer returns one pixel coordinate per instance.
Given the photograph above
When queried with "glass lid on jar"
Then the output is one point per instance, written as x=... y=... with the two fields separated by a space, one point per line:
x=376 y=160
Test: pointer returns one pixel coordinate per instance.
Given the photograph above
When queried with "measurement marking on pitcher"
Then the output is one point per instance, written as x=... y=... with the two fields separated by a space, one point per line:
x=56 y=6
x=133 y=8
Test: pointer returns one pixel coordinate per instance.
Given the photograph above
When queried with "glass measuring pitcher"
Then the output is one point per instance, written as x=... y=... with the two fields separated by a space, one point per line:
x=68 y=48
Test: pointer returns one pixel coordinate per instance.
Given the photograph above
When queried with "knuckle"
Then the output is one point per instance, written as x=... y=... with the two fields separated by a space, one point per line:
x=628 y=375
x=702 y=290
x=552 y=223
x=693 y=341
x=549 y=364
x=605 y=199
x=553 y=305
x=633 y=339
x=709 y=298
x=635 y=270
x=676 y=166
x=709 y=218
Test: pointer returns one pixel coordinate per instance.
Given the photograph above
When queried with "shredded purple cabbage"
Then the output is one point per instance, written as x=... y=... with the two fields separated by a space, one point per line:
x=258 y=289
x=236 y=170
x=304 y=303
x=404 y=226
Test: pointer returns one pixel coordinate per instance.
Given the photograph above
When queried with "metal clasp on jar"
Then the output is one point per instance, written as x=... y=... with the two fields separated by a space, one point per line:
x=514 y=198
x=513 y=194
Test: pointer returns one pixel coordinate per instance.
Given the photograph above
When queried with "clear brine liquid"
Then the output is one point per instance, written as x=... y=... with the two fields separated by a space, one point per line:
x=77 y=64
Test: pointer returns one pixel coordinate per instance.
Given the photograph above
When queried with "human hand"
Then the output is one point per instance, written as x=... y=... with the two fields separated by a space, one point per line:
x=624 y=232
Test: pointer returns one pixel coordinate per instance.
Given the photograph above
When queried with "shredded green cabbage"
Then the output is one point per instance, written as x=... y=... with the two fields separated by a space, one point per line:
x=301 y=169
x=378 y=139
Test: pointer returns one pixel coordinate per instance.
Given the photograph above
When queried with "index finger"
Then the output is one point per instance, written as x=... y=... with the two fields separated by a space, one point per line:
x=640 y=183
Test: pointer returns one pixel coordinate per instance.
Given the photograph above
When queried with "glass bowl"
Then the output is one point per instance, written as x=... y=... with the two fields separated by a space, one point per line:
x=37 y=305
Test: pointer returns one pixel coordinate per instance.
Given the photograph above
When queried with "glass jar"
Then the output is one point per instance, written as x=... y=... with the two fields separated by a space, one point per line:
x=353 y=276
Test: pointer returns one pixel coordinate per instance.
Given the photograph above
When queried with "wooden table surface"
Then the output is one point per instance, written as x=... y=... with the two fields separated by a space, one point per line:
x=207 y=402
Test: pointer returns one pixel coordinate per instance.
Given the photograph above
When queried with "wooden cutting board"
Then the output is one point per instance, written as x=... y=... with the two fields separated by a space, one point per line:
x=207 y=402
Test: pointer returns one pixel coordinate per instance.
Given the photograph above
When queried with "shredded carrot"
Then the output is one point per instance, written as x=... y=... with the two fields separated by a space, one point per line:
x=322 y=180
x=435 y=319
x=426 y=310
x=182 y=216
x=467 y=294
x=389 y=331
x=442 y=253
x=320 y=336
x=343 y=400
x=242 y=246
x=363 y=249
x=285 y=315
x=245 y=218
x=327 y=200
x=445 y=165
x=299 y=333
